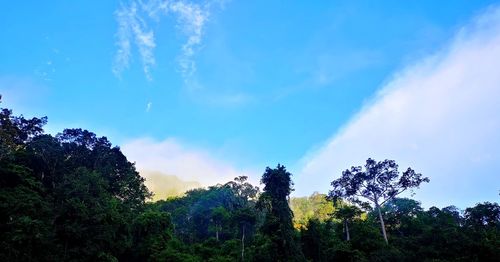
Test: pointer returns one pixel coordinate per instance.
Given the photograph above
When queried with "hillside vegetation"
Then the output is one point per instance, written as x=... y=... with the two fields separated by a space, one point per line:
x=76 y=197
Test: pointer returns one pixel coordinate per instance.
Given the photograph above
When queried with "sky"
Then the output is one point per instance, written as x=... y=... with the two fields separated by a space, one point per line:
x=209 y=90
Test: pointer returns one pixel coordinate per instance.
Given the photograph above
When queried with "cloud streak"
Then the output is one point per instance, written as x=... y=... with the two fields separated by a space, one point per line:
x=191 y=19
x=133 y=29
x=439 y=116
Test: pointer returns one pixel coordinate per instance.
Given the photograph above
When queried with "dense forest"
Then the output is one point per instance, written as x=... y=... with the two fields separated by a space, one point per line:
x=76 y=197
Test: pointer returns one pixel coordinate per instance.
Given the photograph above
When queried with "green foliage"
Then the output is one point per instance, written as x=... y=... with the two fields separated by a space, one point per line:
x=221 y=217
x=69 y=197
x=378 y=183
x=278 y=226
x=75 y=197
x=346 y=214
x=152 y=231
x=312 y=207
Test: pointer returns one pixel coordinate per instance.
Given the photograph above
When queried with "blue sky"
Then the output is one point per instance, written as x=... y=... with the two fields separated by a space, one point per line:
x=206 y=90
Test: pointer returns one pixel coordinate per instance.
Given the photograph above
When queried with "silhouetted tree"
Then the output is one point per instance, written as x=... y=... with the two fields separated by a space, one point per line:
x=483 y=214
x=278 y=225
x=379 y=182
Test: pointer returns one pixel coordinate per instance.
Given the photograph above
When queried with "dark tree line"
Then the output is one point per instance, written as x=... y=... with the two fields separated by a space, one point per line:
x=75 y=197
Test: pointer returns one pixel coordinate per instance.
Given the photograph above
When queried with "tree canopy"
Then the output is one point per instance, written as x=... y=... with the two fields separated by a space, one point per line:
x=76 y=197
x=378 y=183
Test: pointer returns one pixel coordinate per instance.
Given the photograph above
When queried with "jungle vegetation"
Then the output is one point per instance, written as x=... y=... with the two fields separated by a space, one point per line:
x=75 y=197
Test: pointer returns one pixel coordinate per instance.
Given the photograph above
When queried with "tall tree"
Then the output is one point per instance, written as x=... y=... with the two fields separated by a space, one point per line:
x=346 y=213
x=278 y=225
x=378 y=183
x=246 y=219
x=219 y=215
x=245 y=216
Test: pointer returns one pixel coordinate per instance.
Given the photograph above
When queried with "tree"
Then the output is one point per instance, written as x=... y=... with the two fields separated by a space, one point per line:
x=482 y=224
x=219 y=217
x=483 y=214
x=84 y=148
x=15 y=131
x=70 y=197
x=400 y=216
x=246 y=218
x=379 y=182
x=308 y=207
x=319 y=242
x=151 y=231
x=278 y=225
x=243 y=190
x=346 y=213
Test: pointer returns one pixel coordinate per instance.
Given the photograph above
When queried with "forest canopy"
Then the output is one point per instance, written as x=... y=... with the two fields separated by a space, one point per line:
x=75 y=197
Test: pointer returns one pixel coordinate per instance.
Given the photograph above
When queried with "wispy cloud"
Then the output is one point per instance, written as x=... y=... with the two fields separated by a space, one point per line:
x=439 y=116
x=191 y=19
x=133 y=27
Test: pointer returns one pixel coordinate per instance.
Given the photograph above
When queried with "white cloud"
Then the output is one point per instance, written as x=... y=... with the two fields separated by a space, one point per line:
x=132 y=21
x=132 y=25
x=148 y=106
x=191 y=19
x=439 y=116
x=172 y=157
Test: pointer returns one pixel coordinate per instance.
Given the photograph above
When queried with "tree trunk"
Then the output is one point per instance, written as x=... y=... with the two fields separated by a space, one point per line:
x=382 y=225
x=347 y=235
x=243 y=244
x=217 y=232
